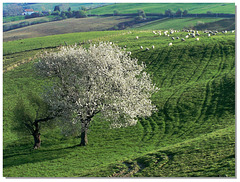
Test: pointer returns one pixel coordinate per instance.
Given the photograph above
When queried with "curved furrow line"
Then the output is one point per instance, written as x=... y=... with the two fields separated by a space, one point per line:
x=167 y=118
x=209 y=60
x=157 y=65
x=151 y=63
x=141 y=126
x=188 y=87
x=197 y=67
x=219 y=71
x=155 y=130
x=147 y=130
x=167 y=74
x=182 y=89
x=221 y=85
x=207 y=97
x=180 y=56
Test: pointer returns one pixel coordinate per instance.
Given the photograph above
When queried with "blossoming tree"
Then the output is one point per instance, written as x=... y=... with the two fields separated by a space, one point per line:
x=101 y=79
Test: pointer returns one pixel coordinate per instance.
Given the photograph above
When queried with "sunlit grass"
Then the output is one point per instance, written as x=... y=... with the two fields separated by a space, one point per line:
x=192 y=134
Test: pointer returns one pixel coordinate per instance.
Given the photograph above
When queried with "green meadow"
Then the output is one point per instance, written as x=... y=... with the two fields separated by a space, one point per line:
x=191 y=135
x=177 y=23
x=192 y=8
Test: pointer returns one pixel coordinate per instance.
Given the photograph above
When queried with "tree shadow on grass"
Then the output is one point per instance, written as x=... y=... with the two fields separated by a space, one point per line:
x=22 y=154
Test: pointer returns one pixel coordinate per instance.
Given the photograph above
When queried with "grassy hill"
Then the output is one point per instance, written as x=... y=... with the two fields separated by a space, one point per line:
x=161 y=7
x=192 y=134
x=177 y=23
x=105 y=23
x=70 y=25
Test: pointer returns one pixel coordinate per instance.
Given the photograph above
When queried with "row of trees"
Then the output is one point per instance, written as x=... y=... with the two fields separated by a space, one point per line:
x=81 y=13
x=142 y=15
x=179 y=12
x=101 y=80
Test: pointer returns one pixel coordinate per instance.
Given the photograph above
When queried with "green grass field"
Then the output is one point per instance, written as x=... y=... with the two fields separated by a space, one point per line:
x=161 y=7
x=177 y=23
x=12 y=18
x=191 y=135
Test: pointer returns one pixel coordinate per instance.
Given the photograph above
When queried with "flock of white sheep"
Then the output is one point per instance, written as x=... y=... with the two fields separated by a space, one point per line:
x=190 y=34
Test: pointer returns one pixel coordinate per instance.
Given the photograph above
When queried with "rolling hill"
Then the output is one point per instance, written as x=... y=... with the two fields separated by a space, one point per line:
x=70 y=25
x=177 y=23
x=191 y=135
x=192 y=8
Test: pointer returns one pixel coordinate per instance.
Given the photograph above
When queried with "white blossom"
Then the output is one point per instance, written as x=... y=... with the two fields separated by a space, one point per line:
x=101 y=79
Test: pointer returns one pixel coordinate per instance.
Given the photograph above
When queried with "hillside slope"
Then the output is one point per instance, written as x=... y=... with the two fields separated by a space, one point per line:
x=70 y=25
x=161 y=7
x=192 y=134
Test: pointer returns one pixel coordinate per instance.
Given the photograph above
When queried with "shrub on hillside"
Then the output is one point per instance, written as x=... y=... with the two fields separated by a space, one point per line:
x=81 y=14
x=138 y=18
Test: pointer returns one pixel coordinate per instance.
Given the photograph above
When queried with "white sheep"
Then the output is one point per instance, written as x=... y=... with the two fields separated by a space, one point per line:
x=209 y=35
x=182 y=39
x=129 y=53
x=147 y=49
x=187 y=36
x=141 y=47
x=137 y=37
x=153 y=46
x=197 y=39
x=173 y=38
x=170 y=44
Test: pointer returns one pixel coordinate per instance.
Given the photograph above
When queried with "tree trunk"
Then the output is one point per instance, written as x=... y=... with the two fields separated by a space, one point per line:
x=85 y=125
x=84 y=140
x=37 y=140
x=36 y=135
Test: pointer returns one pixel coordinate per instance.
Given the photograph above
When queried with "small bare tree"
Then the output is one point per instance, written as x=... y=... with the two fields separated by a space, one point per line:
x=101 y=79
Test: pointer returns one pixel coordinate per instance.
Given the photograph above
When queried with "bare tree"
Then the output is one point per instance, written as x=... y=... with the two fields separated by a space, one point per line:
x=101 y=79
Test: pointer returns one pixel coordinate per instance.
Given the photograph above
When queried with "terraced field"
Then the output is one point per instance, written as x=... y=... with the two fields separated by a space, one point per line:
x=192 y=134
